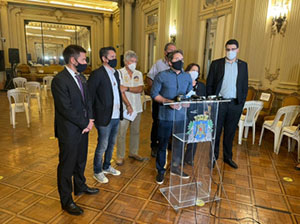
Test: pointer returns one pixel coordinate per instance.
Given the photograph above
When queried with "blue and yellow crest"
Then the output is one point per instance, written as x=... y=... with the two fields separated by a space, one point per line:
x=200 y=129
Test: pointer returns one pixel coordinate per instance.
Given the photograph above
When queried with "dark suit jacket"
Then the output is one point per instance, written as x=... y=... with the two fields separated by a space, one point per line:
x=215 y=79
x=72 y=112
x=102 y=97
x=200 y=89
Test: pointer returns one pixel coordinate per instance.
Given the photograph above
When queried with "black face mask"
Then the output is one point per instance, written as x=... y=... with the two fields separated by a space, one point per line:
x=112 y=63
x=178 y=65
x=81 y=67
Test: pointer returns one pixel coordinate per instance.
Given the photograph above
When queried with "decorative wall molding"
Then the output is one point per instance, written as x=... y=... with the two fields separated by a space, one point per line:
x=272 y=76
x=205 y=4
x=3 y=3
x=216 y=9
x=58 y=14
x=289 y=87
x=255 y=83
x=142 y=3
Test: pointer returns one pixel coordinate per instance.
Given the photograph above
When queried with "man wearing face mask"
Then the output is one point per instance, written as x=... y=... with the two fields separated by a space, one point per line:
x=228 y=77
x=73 y=121
x=104 y=88
x=131 y=87
x=159 y=66
x=166 y=87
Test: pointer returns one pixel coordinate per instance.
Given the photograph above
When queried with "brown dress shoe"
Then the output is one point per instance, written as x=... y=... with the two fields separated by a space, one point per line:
x=120 y=162
x=138 y=158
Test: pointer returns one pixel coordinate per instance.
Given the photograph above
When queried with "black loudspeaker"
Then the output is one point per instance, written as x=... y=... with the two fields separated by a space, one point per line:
x=13 y=54
x=2 y=64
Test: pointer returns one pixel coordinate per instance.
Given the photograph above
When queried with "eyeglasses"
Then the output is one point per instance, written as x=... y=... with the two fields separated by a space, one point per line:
x=232 y=49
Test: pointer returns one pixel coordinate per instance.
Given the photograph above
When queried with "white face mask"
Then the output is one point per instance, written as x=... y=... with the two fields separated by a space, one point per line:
x=132 y=66
x=194 y=75
x=231 y=55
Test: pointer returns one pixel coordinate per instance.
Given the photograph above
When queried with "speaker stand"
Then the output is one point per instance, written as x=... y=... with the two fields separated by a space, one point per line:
x=9 y=78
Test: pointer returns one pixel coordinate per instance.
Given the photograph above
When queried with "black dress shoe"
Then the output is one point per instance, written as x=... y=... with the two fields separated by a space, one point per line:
x=231 y=163
x=88 y=190
x=154 y=152
x=189 y=162
x=73 y=209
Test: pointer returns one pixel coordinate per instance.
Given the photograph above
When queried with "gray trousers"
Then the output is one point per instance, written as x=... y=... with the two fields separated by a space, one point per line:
x=134 y=136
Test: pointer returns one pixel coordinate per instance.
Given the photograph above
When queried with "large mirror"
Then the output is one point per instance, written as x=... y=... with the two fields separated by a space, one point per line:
x=45 y=41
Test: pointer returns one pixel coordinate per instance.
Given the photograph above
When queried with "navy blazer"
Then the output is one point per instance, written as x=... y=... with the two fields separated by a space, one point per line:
x=72 y=111
x=102 y=97
x=200 y=89
x=215 y=79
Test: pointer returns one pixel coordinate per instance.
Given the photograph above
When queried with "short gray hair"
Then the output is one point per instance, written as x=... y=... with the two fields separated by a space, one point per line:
x=130 y=54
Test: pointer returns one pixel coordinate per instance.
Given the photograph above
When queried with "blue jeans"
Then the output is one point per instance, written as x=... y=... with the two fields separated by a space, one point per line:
x=165 y=129
x=164 y=133
x=106 y=140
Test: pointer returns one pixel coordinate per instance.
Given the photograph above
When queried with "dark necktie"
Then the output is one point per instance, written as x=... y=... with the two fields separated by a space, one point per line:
x=80 y=85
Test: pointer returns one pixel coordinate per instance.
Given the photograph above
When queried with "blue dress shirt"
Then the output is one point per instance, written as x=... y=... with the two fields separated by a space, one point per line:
x=169 y=85
x=228 y=89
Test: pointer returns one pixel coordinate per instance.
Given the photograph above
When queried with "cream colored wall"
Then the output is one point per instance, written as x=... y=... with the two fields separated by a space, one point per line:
x=266 y=52
x=243 y=20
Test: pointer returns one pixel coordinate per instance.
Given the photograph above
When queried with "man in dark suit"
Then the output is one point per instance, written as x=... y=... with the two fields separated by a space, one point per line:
x=73 y=121
x=228 y=77
x=104 y=89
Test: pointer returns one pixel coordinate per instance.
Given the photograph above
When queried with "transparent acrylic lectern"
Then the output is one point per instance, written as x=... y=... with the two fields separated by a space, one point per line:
x=193 y=140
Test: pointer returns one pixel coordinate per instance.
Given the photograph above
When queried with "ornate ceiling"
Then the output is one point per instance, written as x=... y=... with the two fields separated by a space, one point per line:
x=107 y=6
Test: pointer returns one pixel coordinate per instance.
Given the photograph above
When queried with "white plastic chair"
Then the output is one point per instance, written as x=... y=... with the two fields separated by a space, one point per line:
x=145 y=98
x=253 y=108
x=19 y=82
x=292 y=132
x=290 y=113
x=47 y=80
x=20 y=103
x=34 y=90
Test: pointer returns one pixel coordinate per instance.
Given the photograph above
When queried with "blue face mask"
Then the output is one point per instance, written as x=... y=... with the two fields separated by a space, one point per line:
x=81 y=67
x=231 y=55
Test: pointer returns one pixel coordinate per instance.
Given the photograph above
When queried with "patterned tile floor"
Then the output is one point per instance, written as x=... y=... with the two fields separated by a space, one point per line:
x=28 y=192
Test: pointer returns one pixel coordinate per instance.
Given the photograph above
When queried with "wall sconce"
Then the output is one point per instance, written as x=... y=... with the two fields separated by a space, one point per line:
x=173 y=33
x=279 y=12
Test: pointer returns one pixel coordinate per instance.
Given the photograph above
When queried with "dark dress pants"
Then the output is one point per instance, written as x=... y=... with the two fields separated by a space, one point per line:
x=228 y=118
x=72 y=161
x=154 y=130
x=190 y=152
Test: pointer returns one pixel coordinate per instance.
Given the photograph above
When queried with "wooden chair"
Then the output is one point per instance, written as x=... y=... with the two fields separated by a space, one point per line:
x=267 y=97
x=252 y=92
